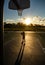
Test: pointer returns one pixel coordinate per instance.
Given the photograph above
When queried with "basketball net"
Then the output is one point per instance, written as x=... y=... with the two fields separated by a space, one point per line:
x=20 y=12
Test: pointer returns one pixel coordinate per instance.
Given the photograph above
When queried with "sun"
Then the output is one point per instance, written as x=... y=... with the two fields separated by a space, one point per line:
x=27 y=21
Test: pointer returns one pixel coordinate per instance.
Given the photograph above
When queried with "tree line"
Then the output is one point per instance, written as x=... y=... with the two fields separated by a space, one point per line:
x=20 y=27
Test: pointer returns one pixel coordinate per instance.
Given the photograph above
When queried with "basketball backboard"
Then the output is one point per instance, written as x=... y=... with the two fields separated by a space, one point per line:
x=19 y=4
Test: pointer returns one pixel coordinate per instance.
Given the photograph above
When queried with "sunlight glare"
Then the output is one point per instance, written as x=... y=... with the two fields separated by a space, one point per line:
x=27 y=21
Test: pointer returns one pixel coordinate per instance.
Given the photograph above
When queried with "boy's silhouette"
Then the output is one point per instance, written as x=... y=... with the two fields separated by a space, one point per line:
x=23 y=36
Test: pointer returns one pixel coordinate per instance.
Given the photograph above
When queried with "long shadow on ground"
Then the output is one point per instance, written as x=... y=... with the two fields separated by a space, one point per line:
x=20 y=55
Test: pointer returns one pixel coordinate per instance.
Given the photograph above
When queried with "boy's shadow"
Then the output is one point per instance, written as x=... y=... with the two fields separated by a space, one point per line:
x=20 y=55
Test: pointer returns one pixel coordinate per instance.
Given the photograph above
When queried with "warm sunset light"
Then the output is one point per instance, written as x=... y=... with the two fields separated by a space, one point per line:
x=27 y=21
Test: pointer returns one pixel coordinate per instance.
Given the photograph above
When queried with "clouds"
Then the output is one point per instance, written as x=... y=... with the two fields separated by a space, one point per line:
x=38 y=20
x=34 y=20
x=10 y=21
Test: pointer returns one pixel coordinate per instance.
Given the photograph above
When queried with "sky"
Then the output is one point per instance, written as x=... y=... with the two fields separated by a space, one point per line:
x=36 y=12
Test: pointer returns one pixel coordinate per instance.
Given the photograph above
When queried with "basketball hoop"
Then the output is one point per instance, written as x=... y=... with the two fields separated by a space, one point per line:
x=20 y=12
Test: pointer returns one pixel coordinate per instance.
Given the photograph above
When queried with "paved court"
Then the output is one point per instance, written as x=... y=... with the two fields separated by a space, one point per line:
x=30 y=52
